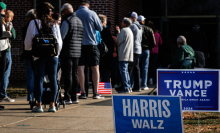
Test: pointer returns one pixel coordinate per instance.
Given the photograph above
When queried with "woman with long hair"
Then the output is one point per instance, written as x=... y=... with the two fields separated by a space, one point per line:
x=46 y=25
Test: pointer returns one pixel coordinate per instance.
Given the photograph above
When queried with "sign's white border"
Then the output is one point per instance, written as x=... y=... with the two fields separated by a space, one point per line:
x=186 y=70
x=115 y=95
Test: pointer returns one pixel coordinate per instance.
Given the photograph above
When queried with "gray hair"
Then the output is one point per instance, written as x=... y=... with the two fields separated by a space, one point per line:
x=31 y=14
x=127 y=21
x=181 y=40
x=68 y=7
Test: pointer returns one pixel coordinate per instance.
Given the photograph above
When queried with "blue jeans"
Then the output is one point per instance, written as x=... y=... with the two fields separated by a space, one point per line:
x=123 y=67
x=7 y=73
x=40 y=65
x=30 y=79
x=144 y=61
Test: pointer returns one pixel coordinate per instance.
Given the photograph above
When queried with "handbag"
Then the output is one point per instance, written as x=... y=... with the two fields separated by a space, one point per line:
x=103 y=49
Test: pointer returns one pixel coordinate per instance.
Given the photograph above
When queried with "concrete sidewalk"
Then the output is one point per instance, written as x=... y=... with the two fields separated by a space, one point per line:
x=89 y=116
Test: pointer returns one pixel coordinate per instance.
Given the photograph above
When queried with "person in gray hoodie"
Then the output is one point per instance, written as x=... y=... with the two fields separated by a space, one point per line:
x=136 y=28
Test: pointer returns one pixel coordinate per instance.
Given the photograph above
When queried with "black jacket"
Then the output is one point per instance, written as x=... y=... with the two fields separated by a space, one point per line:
x=148 y=40
x=106 y=61
x=197 y=40
x=73 y=41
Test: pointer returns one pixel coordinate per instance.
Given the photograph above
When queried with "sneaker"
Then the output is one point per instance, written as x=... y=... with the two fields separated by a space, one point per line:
x=52 y=109
x=79 y=93
x=2 y=107
x=136 y=90
x=7 y=99
x=38 y=109
x=145 y=88
x=98 y=96
x=83 y=96
x=68 y=101
x=75 y=101
x=124 y=91
x=130 y=90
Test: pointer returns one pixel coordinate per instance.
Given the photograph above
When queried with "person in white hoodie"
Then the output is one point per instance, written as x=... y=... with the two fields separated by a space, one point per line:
x=40 y=64
x=125 y=53
x=134 y=68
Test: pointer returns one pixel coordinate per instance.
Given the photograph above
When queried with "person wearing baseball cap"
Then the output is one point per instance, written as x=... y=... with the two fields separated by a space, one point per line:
x=3 y=46
x=183 y=51
x=147 y=44
x=136 y=28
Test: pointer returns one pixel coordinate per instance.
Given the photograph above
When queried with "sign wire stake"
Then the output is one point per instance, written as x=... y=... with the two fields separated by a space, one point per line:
x=198 y=122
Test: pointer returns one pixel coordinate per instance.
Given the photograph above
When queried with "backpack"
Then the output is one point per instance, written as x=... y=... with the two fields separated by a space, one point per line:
x=44 y=45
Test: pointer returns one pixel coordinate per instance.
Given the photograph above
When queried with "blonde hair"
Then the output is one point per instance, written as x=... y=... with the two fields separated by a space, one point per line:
x=102 y=17
x=10 y=13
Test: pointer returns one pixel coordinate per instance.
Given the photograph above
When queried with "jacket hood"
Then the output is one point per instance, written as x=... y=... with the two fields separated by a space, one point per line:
x=138 y=25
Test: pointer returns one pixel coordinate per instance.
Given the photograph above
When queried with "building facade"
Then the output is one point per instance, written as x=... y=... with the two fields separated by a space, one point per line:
x=171 y=17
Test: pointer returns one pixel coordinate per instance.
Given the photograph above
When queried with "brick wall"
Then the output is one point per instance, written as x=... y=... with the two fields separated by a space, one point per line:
x=20 y=8
x=115 y=10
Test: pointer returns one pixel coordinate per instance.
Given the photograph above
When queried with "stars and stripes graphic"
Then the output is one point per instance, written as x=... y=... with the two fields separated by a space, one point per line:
x=104 y=88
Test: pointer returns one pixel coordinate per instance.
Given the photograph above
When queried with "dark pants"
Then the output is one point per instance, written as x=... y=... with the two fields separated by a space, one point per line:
x=40 y=65
x=153 y=65
x=104 y=75
x=115 y=73
x=2 y=65
x=69 y=67
x=135 y=69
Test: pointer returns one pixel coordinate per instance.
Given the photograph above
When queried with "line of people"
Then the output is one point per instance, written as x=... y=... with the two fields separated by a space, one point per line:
x=78 y=37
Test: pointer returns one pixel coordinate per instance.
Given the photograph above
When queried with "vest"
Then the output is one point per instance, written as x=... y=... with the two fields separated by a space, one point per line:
x=73 y=40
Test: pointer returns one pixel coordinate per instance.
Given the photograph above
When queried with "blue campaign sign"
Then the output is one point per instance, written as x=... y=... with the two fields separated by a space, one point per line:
x=199 y=89
x=151 y=114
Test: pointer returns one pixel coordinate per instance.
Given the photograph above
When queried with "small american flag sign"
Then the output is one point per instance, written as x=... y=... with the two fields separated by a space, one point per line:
x=104 y=88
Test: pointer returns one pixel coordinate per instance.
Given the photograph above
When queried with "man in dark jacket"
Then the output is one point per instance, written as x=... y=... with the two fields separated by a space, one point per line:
x=147 y=44
x=72 y=35
x=198 y=41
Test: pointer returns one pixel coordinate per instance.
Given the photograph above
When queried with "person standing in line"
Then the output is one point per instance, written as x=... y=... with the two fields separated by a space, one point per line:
x=105 y=61
x=147 y=44
x=198 y=41
x=72 y=35
x=134 y=68
x=27 y=59
x=90 y=54
x=154 y=55
x=46 y=25
x=125 y=40
x=4 y=35
x=8 y=18
x=57 y=18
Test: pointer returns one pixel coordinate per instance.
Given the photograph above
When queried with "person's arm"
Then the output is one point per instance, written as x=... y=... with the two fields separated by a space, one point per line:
x=29 y=36
x=56 y=32
x=151 y=39
x=98 y=23
x=120 y=38
x=64 y=29
x=13 y=32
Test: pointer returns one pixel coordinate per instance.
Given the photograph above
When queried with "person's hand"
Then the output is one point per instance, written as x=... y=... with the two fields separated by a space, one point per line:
x=117 y=29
